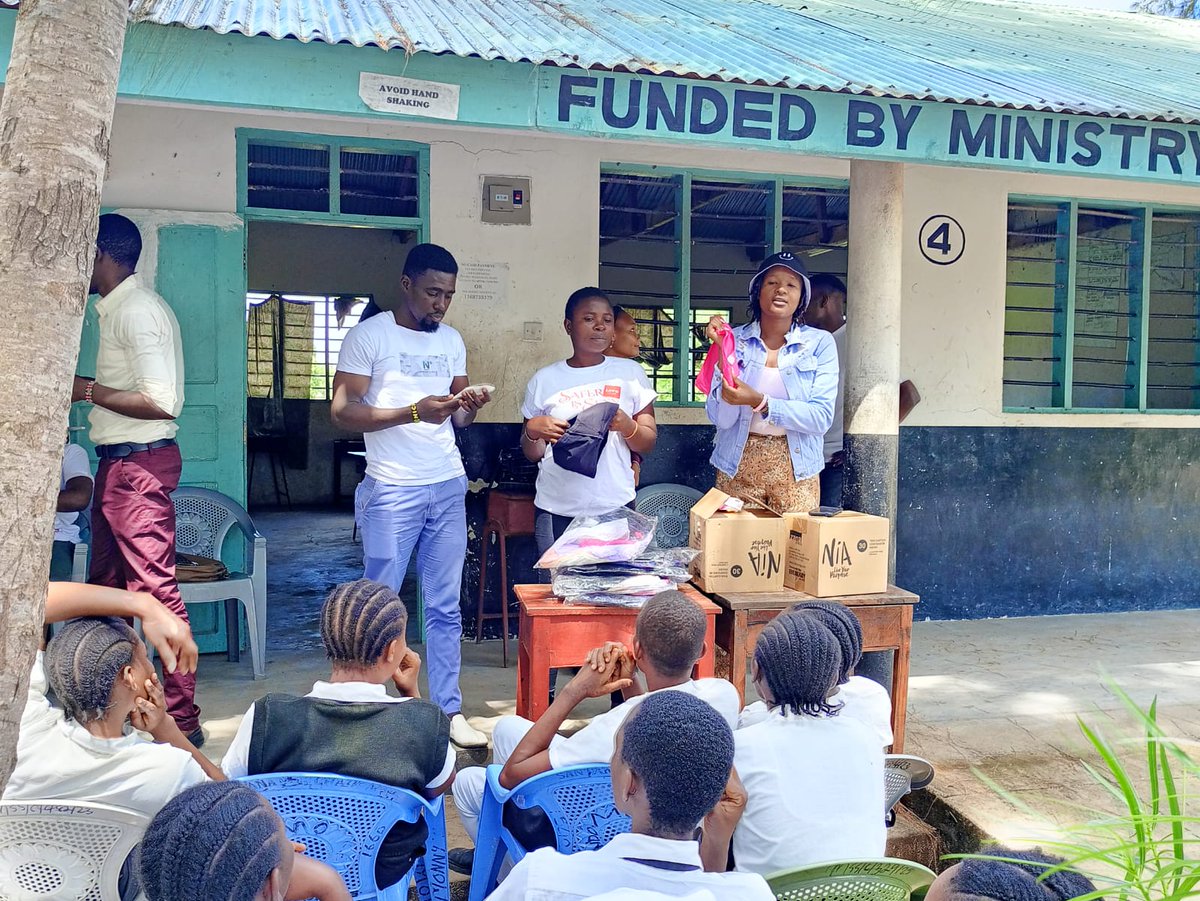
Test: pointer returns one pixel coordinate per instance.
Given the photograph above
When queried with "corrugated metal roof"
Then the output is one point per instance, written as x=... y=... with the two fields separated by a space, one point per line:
x=989 y=52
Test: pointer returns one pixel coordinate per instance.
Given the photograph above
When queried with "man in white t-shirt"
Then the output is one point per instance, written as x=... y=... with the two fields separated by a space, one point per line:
x=74 y=495
x=401 y=381
x=668 y=640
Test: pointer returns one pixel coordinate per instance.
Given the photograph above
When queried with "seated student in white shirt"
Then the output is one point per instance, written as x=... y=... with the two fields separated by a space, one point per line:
x=670 y=765
x=861 y=698
x=97 y=666
x=350 y=725
x=221 y=841
x=668 y=640
x=813 y=779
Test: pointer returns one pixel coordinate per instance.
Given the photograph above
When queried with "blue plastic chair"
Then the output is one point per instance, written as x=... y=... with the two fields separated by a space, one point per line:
x=578 y=801
x=342 y=821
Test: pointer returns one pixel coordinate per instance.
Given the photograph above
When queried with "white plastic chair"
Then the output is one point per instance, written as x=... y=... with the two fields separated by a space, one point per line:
x=202 y=520
x=65 y=850
x=903 y=773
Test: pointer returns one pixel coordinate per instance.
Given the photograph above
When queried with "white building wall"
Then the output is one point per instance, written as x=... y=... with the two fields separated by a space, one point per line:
x=184 y=158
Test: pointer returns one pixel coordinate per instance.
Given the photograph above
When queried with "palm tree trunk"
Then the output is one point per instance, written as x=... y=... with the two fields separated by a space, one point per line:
x=55 y=119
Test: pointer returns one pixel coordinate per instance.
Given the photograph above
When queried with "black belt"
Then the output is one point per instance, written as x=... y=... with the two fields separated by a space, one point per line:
x=121 y=451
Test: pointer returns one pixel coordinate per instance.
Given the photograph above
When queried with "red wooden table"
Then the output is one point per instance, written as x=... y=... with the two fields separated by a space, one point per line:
x=886 y=620
x=554 y=634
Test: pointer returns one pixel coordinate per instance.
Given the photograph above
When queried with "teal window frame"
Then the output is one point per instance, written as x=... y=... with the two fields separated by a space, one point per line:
x=1139 y=299
x=335 y=145
x=683 y=391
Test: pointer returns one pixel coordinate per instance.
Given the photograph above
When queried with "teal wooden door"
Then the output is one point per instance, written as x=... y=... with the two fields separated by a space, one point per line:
x=197 y=263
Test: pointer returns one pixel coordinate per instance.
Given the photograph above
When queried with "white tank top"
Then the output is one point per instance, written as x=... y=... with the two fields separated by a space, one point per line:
x=770 y=383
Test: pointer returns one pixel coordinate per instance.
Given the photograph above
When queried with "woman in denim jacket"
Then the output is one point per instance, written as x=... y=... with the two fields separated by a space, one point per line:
x=772 y=421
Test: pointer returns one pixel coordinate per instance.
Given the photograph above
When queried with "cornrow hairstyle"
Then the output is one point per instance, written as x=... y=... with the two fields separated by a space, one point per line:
x=426 y=257
x=120 y=239
x=845 y=628
x=670 y=629
x=83 y=662
x=1018 y=882
x=579 y=296
x=217 y=841
x=798 y=656
x=682 y=750
x=359 y=620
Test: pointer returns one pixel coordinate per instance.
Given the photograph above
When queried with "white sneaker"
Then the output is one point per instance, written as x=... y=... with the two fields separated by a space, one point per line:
x=464 y=734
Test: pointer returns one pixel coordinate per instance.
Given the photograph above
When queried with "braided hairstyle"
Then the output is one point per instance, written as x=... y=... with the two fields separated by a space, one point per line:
x=799 y=658
x=682 y=750
x=359 y=620
x=845 y=628
x=83 y=662
x=670 y=629
x=217 y=841
x=1004 y=881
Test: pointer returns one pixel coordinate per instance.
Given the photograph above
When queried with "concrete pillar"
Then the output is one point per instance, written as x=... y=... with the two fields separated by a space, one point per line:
x=872 y=428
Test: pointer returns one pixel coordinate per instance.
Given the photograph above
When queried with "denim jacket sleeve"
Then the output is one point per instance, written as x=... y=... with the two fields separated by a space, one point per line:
x=813 y=414
x=720 y=414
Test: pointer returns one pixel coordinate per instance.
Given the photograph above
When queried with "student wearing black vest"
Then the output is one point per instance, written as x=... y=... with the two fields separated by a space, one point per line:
x=350 y=725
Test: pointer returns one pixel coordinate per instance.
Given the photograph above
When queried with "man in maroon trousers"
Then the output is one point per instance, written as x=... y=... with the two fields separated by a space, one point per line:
x=137 y=393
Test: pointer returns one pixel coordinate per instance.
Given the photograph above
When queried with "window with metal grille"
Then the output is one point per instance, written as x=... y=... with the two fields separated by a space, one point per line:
x=293 y=340
x=1101 y=308
x=678 y=246
x=337 y=177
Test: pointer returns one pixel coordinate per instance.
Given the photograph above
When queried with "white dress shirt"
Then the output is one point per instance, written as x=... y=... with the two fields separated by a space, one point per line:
x=626 y=862
x=594 y=742
x=237 y=759
x=861 y=698
x=58 y=759
x=140 y=350
x=814 y=792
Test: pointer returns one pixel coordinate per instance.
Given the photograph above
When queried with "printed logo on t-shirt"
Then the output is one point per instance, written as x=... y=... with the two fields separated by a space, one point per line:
x=423 y=365
x=580 y=397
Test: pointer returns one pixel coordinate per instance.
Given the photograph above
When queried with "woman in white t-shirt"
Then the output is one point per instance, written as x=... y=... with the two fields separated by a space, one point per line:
x=813 y=777
x=561 y=391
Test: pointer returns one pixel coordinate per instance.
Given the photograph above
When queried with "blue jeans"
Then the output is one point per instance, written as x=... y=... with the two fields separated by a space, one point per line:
x=432 y=519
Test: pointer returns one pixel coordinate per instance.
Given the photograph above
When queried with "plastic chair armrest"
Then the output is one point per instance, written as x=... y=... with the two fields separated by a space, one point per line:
x=494 y=788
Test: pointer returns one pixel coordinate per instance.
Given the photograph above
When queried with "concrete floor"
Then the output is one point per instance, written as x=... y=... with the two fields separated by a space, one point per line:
x=998 y=695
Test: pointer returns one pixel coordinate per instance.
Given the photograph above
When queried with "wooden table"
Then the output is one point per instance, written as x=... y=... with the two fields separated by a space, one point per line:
x=886 y=620
x=554 y=634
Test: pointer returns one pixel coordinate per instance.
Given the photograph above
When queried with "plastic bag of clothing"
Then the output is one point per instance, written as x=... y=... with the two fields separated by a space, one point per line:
x=617 y=536
x=641 y=584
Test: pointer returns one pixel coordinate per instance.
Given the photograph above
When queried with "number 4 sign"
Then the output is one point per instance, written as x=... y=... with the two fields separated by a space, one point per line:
x=942 y=240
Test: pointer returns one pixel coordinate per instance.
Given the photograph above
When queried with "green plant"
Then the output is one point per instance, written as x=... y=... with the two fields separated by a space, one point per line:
x=1147 y=849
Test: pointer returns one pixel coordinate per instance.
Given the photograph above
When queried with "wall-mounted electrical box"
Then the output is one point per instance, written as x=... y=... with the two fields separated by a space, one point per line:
x=506 y=200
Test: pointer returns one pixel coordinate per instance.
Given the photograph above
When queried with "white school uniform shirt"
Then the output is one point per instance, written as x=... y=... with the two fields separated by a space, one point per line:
x=564 y=392
x=861 y=698
x=58 y=759
x=75 y=465
x=237 y=759
x=140 y=350
x=547 y=875
x=405 y=365
x=594 y=742
x=814 y=790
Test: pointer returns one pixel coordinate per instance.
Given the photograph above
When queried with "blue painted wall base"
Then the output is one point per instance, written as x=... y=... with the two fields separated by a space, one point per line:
x=993 y=521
